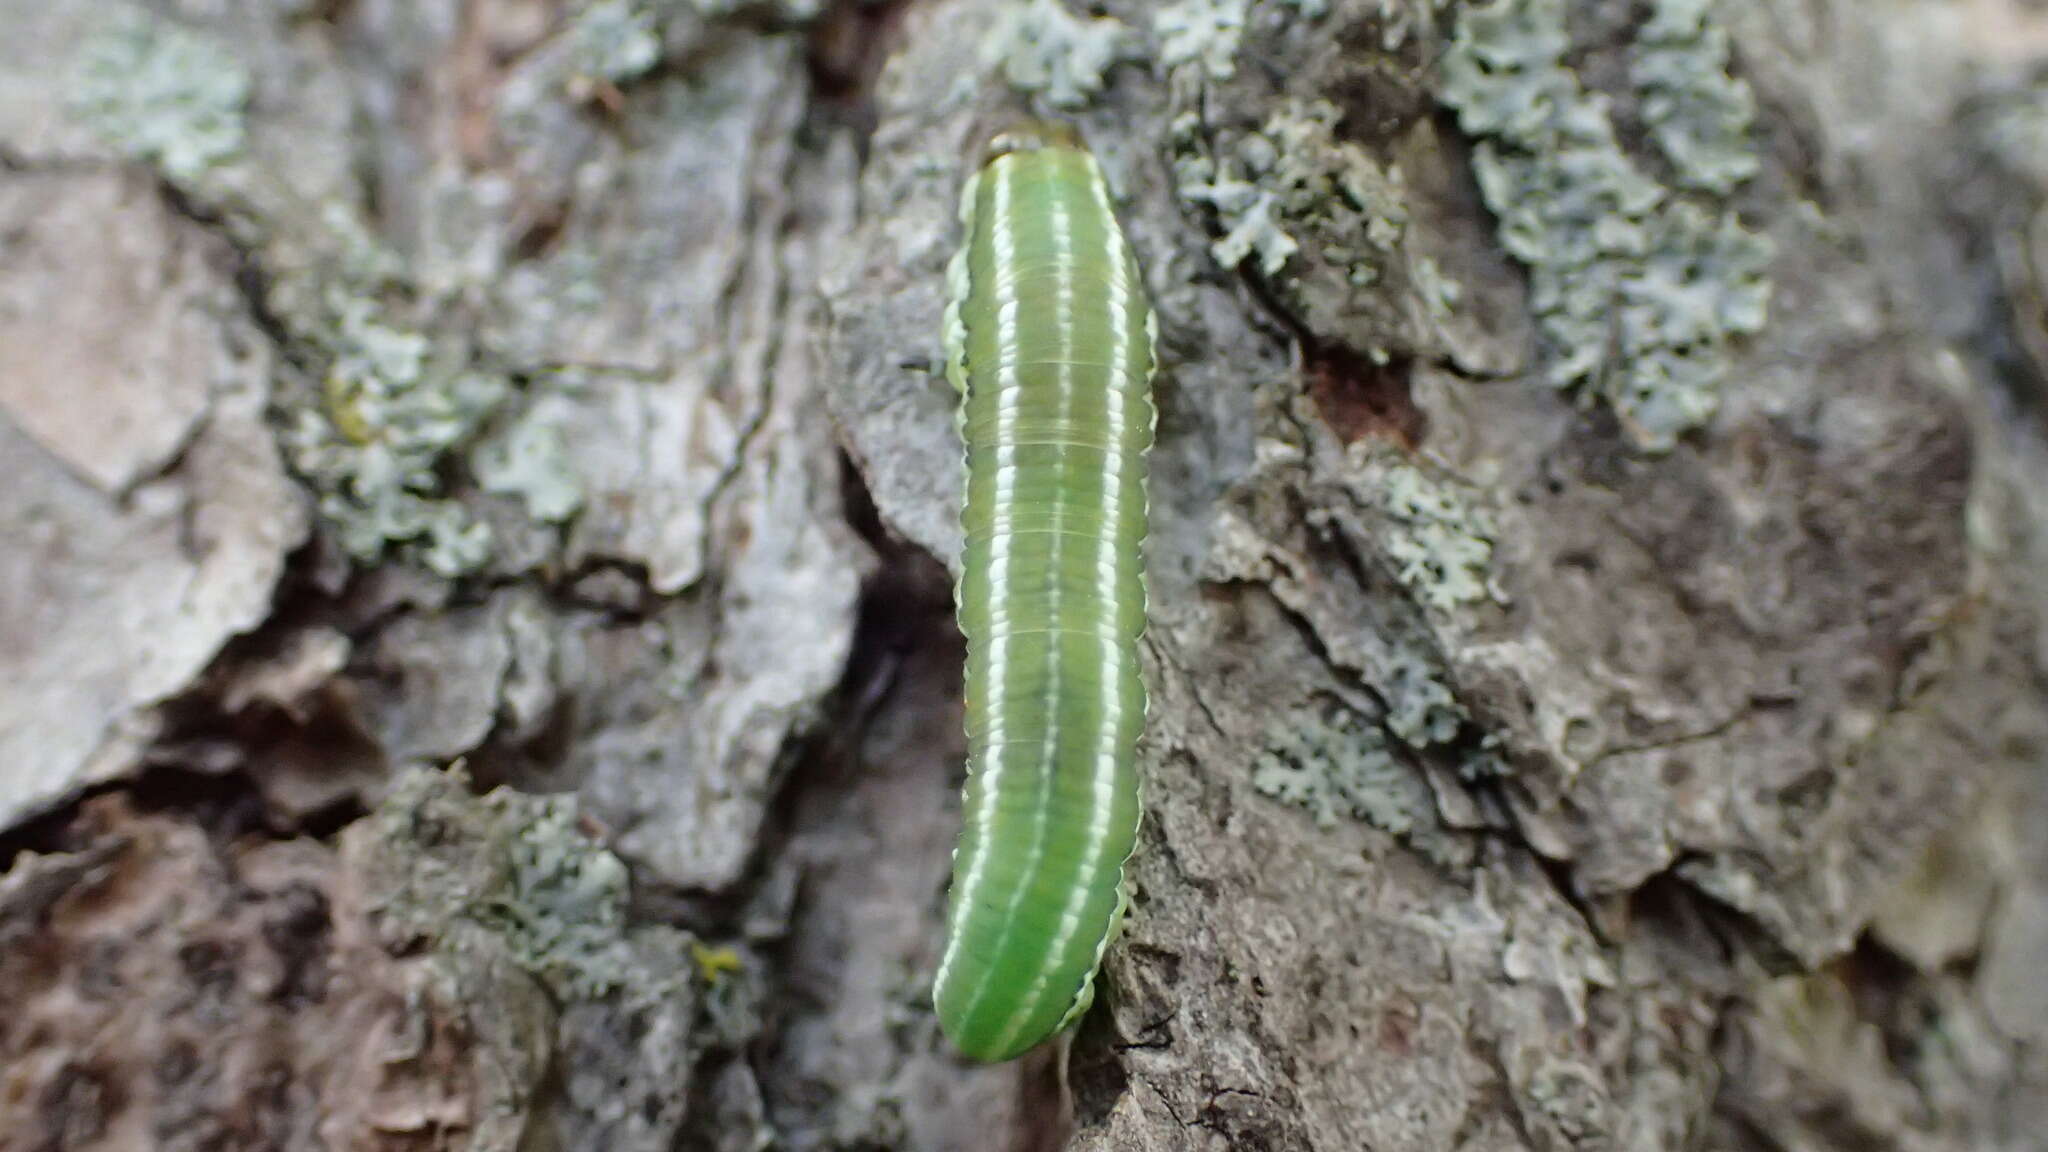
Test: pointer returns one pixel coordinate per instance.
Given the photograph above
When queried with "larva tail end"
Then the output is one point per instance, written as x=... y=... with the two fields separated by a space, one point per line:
x=983 y=1048
x=1085 y=998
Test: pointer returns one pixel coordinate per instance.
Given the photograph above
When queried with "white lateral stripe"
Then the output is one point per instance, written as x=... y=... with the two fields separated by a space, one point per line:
x=1004 y=249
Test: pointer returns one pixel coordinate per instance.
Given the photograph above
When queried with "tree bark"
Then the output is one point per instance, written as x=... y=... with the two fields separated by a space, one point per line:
x=476 y=652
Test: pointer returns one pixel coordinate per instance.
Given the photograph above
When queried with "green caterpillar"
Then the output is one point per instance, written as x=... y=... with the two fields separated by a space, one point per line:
x=1050 y=342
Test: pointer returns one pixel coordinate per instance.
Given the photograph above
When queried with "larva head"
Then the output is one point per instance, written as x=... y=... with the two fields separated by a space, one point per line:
x=1032 y=136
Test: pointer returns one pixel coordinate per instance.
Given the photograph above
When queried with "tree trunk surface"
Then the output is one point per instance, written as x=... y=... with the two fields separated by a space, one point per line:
x=477 y=666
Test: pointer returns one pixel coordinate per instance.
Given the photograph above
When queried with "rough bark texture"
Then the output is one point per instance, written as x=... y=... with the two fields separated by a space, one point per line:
x=476 y=661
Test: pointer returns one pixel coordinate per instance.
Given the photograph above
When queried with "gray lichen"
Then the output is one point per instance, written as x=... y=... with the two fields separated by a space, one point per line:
x=614 y=41
x=1442 y=544
x=1333 y=763
x=161 y=93
x=515 y=866
x=530 y=460
x=1203 y=32
x=521 y=919
x=1296 y=181
x=1422 y=711
x=1439 y=292
x=1330 y=761
x=1600 y=238
x=1250 y=215
x=1042 y=48
x=392 y=414
x=2014 y=130
x=1308 y=209
x=787 y=11
x=1702 y=279
x=1700 y=115
x=1319 y=174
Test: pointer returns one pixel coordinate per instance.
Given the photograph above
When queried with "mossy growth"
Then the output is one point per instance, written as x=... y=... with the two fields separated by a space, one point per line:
x=377 y=447
x=1043 y=49
x=161 y=93
x=1638 y=294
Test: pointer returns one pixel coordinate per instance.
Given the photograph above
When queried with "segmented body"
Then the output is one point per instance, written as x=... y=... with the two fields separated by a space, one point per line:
x=1051 y=343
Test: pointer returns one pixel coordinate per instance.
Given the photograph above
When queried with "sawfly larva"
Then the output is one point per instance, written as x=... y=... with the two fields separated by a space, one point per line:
x=1050 y=342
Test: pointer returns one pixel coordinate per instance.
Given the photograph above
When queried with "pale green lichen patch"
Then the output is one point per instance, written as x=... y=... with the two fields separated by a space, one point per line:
x=1354 y=210
x=584 y=1029
x=1331 y=762
x=1250 y=216
x=613 y=41
x=161 y=93
x=1439 y=292
x=514 y=866
x=388 y=425
x=1044 y=49
x=1441 y=544
x=2013 y=127
x=376 y=448
x=1637 y=294
x=1700 y=115
x=1205 y=33
x=1702 y=279
x=530 y=460
x=1421 y=710
x=1295 y=182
